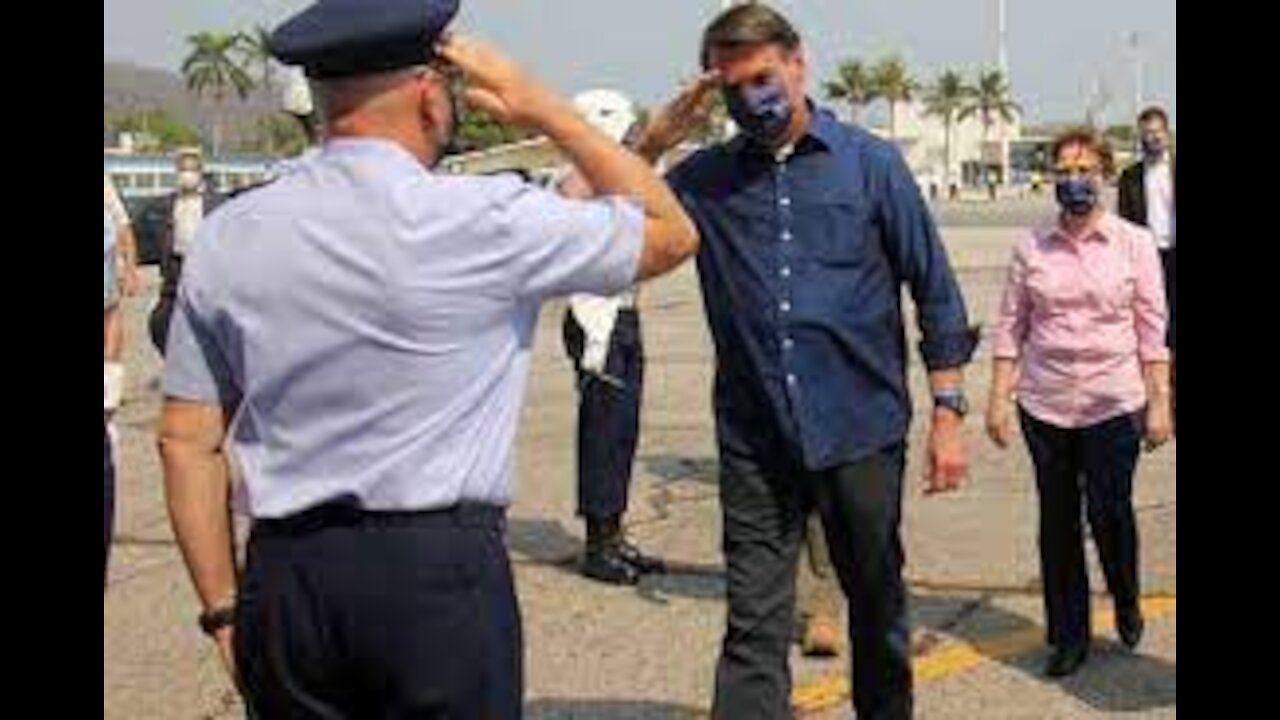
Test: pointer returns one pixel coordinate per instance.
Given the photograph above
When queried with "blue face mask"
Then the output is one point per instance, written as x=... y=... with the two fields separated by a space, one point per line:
x=1077 y=196
x=763 y=113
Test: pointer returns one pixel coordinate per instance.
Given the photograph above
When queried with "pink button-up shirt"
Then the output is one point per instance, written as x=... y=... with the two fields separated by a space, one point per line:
x=1081 y=316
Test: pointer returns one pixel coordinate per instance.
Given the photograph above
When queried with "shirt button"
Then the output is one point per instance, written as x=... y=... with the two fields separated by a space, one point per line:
x=792 y=380
x=785 y=307
x=785 y=202
x=785 y=272
x=788 y=344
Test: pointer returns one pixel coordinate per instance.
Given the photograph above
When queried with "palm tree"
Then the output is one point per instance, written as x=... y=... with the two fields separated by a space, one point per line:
x=991 y=99
x=852 y=86
x=212 y=69
x=255 y=55
x=946 y=100
x=892 y=81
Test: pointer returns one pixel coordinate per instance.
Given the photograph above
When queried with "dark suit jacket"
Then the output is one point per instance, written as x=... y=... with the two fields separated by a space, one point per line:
x=171 y=271
x=211 y=201
x=1133 y=192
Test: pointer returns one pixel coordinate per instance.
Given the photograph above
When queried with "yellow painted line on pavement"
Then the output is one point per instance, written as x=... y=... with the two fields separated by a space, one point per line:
x=952 y=659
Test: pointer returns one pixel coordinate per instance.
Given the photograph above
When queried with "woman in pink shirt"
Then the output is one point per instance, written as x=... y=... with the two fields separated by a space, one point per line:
x=1081 y=360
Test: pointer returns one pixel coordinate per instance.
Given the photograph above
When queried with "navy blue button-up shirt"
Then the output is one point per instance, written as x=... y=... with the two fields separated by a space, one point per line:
x=804 y=254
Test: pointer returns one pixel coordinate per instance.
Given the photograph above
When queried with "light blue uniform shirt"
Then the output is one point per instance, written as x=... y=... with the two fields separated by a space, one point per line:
x=110 y=283
x=369 y=324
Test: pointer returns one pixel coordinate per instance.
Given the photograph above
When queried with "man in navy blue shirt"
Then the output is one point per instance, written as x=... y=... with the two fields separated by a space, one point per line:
x=810 y=229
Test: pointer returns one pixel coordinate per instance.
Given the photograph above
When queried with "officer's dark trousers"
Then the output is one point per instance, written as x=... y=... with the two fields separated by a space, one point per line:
x=766 y=502
x=1078 y=468
x=608 y=418
x=346 y=614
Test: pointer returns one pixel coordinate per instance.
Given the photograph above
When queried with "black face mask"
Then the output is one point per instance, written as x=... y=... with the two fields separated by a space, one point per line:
x=453 y=88
x=763 y=113
x=449 y=144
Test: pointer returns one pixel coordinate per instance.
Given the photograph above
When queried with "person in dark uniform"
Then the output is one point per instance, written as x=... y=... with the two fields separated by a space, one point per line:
x=603 y=339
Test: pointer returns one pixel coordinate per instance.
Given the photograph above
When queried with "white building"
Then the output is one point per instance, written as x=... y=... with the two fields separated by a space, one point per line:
x=975 y=150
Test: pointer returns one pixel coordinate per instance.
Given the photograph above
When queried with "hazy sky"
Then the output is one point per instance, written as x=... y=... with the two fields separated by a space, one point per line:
x=1062 y=53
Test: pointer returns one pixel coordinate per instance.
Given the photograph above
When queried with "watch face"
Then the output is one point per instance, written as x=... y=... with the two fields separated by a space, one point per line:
x=955 y=403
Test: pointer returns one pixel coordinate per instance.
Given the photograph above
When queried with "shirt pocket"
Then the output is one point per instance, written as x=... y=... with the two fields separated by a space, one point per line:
x=1053 y=285
x=837 y=230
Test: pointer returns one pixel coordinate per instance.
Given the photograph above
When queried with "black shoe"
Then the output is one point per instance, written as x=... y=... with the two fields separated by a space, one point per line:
x=1065 y=661
x=1130 y=626
x=604 y=563
x=645 y=564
